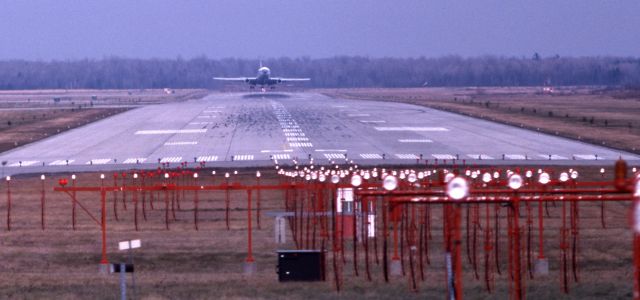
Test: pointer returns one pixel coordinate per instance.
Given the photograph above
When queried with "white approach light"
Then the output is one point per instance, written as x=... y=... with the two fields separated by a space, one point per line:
x=166 y=175
x=528 y=174
x=322 y=177
x=574 y=174
x=486 y=177
x=564 y=176
x=335 y=179
x=448 y=177
x=135 y=175
x=101 y=176
x=73 y=177
x=496 y=174
x=195 y=175
x=366 y=176
x=412 y=177
x=390 y=183
x=544 y=178
x=307 y=177
x=42 y=177
x=515 y=181
x=356 y=180
x=258 y=174
x=457 y=188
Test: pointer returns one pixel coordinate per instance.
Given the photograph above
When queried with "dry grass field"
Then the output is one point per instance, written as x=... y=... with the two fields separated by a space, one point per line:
x=594 y=114
x=27 y=116
x=182 y=263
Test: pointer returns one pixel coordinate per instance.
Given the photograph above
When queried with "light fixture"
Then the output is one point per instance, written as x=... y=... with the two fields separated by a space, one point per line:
x=457 y=188
x=390 y=183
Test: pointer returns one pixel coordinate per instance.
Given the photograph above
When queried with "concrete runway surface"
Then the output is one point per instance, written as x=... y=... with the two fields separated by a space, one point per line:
x=253 y=129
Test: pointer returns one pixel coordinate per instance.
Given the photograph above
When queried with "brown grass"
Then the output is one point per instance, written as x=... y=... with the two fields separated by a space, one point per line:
x=600 y=116
x=186 y=264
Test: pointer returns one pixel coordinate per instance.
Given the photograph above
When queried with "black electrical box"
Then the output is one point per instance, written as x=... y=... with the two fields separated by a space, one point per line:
x=301 y=265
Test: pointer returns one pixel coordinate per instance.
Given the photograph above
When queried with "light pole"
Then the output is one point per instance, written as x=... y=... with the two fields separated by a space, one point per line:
x=123 y=268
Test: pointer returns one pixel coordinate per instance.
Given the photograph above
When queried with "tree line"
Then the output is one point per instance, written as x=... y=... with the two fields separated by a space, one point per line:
x=334 y=72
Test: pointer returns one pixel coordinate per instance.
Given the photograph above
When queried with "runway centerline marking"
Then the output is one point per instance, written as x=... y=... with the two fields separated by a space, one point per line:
x=358 y=115
x=588 y=156
x=373 y=121
x=408 y=128
x=415 y=141
x=181 y=143
x=515 y=156
x=170 y=131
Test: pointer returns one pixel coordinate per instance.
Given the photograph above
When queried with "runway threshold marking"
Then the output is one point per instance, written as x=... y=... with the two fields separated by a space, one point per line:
x=171 y=159
x=588 y=156
x=444 y=156
x=371 y=156
x=515 y=156
x=480 y=156
x=61 y=162
x=281 y=156
x=406 y=156
x=134 y=160
x=407 y=128
x=552 y=156
x=98 y=161
x=170 y=131
x=297 y=139
x=243 y=157
x=334 y=155
x=301 y=145
x=207 y=158
x=24 y=163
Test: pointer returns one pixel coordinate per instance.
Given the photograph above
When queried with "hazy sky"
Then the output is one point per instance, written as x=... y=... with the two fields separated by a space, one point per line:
x=61 y=29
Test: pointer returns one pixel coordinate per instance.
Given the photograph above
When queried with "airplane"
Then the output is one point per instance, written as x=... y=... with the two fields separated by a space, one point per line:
x=262 y=79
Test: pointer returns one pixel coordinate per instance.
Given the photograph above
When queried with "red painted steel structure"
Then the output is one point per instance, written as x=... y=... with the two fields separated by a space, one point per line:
x=409 y=204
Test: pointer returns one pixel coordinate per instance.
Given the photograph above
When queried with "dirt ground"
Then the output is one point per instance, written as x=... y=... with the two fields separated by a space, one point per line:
x=28 y=116
x=182 y=263
x=603 y=116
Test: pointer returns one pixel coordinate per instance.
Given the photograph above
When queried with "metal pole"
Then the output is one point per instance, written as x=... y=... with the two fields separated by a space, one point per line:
x=123 y=281
x=103 y=224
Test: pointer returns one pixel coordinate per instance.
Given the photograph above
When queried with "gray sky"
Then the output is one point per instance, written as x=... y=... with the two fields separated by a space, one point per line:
x=61 y=29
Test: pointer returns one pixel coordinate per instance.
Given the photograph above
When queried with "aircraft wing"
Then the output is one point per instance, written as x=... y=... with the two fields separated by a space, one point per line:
x=231 y=78
x=291 y=79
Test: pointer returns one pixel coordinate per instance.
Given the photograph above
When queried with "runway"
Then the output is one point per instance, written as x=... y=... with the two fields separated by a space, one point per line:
x=243 y=129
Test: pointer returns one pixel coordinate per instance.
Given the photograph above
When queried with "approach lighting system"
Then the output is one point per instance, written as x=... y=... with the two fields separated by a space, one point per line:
x=457 y=188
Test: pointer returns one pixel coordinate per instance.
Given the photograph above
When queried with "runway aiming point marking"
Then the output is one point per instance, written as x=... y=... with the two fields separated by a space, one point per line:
x=99 y=161
x=406 y=156
x=411 y=129
x=207 y=158
x=371 y=156
x=134 y=160
x=170 y=131
x=171 y=159
x=25 y=163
